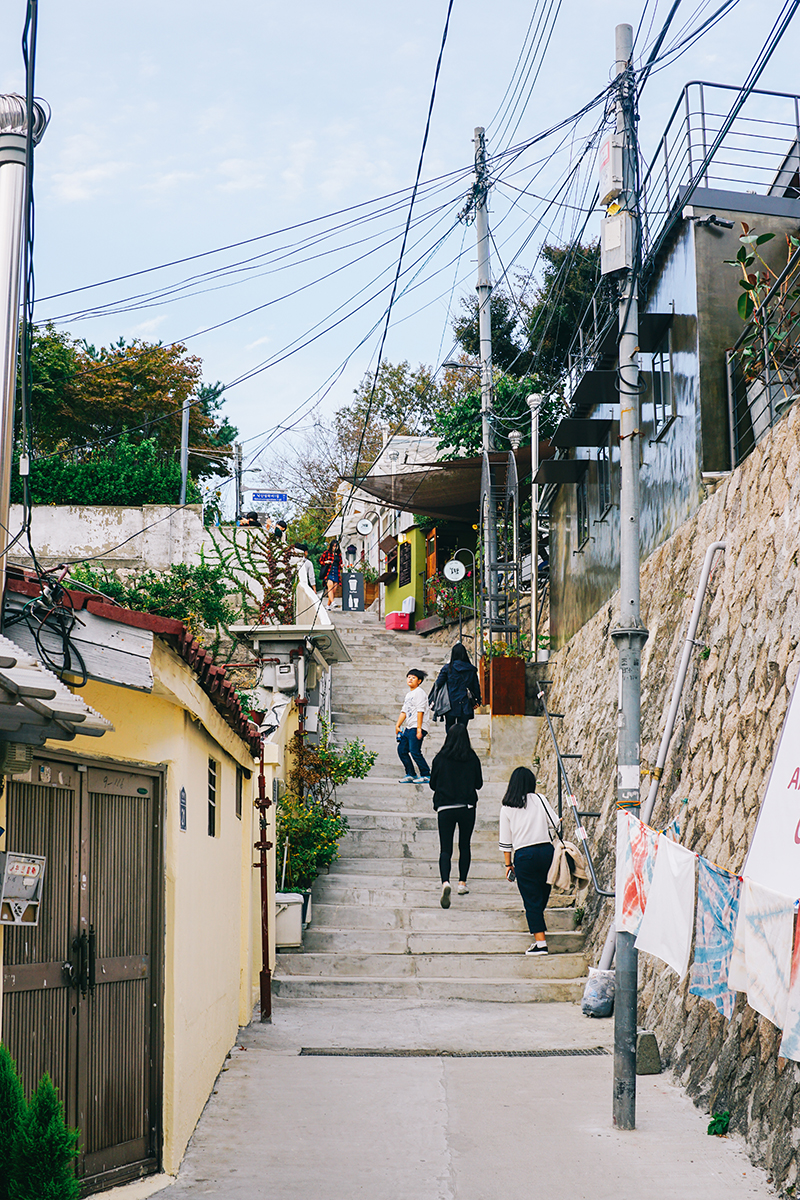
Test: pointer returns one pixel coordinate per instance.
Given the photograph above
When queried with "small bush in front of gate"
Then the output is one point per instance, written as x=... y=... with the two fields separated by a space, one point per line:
x=45 y=1150
x=12 y=1109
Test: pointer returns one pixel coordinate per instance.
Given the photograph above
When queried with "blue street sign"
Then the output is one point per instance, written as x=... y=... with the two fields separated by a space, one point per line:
x=281 y=496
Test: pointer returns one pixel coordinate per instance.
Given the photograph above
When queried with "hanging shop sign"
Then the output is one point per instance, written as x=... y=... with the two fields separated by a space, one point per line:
x=454 y=571
x=774 y=856
x=364 y=527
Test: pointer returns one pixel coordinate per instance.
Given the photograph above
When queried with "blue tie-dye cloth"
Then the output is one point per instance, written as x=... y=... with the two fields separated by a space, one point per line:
x=717 y=910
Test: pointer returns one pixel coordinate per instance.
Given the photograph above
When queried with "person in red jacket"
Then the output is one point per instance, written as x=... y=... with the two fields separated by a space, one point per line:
x=330 y=565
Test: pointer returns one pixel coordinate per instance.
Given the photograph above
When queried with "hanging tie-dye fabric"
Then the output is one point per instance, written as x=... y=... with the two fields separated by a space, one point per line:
x=636 y=858
x=717 y=910
x=762 y=950
x=666 y=927
x=790 y=1042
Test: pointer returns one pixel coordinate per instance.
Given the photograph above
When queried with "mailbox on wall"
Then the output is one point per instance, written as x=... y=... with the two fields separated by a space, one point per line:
x=21 y=880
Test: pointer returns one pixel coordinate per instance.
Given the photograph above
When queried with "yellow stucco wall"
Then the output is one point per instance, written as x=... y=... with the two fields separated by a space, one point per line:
x=212 y=947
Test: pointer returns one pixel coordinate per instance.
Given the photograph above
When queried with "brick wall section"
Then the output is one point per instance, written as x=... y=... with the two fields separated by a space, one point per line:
x=733 y=706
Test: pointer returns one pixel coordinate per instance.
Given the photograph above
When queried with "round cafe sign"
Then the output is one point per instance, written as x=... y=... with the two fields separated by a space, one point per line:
x=454 y=571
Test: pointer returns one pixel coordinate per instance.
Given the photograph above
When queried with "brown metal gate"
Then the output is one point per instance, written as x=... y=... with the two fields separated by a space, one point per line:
x=81 y=992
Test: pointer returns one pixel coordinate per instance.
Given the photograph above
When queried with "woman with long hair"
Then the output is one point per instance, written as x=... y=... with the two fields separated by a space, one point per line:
x=463 y=687
x=527 y=823
x=456 y=779
x=330 y=565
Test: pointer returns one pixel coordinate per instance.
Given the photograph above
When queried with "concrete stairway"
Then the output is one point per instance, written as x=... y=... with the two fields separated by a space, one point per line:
x=377 y=928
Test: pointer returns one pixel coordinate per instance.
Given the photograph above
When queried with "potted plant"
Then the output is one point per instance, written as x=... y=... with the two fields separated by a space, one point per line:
x=308 y=841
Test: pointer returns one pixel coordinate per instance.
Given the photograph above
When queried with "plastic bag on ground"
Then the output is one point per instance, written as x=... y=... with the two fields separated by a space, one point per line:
x=598 y=995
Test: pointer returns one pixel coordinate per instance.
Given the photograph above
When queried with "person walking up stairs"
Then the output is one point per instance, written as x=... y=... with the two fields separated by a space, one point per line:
x=378 y=927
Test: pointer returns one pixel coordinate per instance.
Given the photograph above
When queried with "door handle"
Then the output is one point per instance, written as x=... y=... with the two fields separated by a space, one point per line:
x=92 y=954
x=81 y=944
x=68 y=971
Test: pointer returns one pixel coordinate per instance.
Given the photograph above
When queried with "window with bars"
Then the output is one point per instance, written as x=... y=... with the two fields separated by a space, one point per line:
x=213 y=777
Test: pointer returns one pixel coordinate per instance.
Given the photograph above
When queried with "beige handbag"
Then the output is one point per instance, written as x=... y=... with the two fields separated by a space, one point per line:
x=568 y=868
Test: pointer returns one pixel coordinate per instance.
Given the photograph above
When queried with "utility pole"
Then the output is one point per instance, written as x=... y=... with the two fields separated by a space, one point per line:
x=484 y=290
x=237 y=470
x=534 y=402
x=184 y=449
x=14 y=164
x=628 y=633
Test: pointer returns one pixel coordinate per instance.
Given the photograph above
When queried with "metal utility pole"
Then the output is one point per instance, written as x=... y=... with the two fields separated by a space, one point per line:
x=237 y=470
x=262 y=804
x=629 y=633
x=184 y=449
x=484 y=290
x=13 y=180
x=534 y=403
x=484 y=286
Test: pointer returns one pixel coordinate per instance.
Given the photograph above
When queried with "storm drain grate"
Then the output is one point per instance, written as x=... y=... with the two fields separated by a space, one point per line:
x=333 y=1052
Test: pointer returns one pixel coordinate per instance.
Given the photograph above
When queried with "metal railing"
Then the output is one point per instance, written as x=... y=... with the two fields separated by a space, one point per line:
x=577 y=813
x=764 y=365
x=759 y=152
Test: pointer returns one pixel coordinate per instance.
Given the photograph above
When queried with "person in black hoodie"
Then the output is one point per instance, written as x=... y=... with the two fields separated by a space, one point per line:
x=461 y=678
x=456 y=778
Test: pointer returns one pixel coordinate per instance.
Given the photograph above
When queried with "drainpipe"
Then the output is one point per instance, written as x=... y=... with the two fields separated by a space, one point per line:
x=688 y=645
x=262 y=845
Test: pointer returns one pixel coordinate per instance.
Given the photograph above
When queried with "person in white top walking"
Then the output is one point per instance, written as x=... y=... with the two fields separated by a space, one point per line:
x=527 y=823
x=412 y=726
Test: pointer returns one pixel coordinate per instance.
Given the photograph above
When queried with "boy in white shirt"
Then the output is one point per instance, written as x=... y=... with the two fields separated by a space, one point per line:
x=412 y=726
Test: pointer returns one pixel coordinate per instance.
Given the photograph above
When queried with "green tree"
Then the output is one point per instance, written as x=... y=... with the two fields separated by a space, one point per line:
x=45 y=1150
x=81 y=395
x=12 y=1110
x=509 y=350
x=459 y=427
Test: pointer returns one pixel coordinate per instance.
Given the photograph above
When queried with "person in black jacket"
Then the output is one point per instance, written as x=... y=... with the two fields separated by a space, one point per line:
x=455 y=780
x=461 y=678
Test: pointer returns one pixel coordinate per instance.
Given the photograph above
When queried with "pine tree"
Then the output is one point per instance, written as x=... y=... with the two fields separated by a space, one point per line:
x=12 y=1110
x=45 y=1149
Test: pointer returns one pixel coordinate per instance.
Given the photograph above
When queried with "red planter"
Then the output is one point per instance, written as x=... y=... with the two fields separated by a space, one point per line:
x=506 y=689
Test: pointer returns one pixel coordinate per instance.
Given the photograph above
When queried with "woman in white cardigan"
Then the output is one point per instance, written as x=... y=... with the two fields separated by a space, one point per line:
x=527 y=823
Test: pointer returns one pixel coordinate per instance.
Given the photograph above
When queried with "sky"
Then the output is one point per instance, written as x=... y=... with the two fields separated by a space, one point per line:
x=179 y=128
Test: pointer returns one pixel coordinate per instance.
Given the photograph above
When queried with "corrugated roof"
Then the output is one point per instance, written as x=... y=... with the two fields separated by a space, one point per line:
x=35 y=705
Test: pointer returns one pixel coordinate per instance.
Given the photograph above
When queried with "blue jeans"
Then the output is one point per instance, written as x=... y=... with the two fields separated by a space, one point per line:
x=531 y=864
x=410 y=746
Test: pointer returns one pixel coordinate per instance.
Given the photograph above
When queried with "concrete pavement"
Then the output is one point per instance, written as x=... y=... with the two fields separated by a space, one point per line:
x=290 y=1127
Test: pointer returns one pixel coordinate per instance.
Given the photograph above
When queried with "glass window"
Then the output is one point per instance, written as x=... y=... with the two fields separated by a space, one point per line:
x=603 y=478
x=239 y=789
x=582 y=493
x=661 y=387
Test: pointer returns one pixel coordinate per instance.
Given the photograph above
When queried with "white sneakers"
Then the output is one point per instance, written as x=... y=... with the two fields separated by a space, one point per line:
x=444 y=899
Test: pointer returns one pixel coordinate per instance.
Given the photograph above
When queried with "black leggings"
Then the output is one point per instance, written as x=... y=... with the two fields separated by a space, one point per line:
x=531 y=864
x=464 y=818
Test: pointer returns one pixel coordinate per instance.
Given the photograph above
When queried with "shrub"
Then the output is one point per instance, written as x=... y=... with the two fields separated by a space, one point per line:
x=125 y=473
x=45 y=1150
x=12 y=1109
x=195 y=595
x=313 y=841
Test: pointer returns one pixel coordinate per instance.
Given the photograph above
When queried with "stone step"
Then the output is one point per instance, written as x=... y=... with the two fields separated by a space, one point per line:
x=317 y=939
x=431 y=966
x=411 y=891
x=399 y=823
x=457 y=918
x=413 y=868
x=509 y=991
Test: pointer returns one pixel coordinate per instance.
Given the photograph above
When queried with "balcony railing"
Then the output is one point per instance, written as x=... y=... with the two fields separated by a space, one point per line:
x=764 y=365
x=758 y=154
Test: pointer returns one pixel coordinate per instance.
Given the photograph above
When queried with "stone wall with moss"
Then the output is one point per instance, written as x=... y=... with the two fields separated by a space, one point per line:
x=733 y=705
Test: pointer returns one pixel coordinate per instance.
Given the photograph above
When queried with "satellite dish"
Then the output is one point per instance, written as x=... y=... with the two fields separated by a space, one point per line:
x=364 y=527
x=454 y=571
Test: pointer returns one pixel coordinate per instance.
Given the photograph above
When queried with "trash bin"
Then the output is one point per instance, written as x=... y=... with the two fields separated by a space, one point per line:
x=288 y=919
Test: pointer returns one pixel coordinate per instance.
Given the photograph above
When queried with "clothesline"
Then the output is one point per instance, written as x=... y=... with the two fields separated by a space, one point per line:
x=744 y=934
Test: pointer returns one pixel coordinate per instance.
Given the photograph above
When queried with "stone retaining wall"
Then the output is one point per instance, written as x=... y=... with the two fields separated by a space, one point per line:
x=733 y=705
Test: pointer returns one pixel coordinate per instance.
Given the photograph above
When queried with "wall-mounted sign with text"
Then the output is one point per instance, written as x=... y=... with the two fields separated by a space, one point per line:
x=281 y=497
